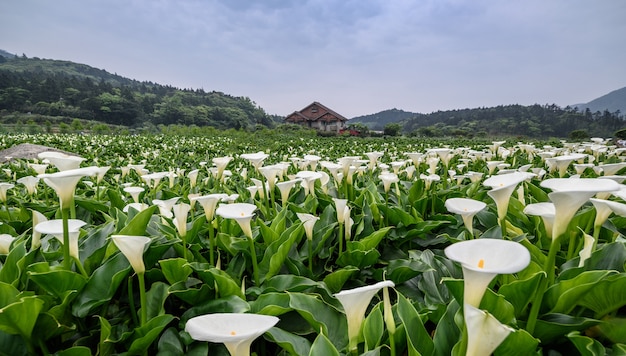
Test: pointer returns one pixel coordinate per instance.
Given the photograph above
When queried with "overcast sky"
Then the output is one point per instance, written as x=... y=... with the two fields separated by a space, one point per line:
x=357 y=57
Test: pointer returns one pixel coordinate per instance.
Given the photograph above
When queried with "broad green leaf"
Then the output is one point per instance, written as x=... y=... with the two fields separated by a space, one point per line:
x=106 y=345
x=606 y=296
x=175 y=270
x=401 y=270
x=231 y=304
x=101 y=285
x=137 y=226
x=19 y=318
x=586 y=346
x=373 y=327
x=554 y=326
x=338 y=278
x=225 y=284
x=12 y=268
x=563 y=296
x=155 y=297
x=614 y=329
x=520 y=292
x=294 y=344
x=519 y=342
x=145 y=335
x=372 y=241
x=323 y=346
x=318 y=314
x=271 y=304
x=170 y=344
x=279 y=250
x=418 y=339
x=8 y=294
x=58 y=282
x=192 y=291
x=357 y=258
x=289 y=282
x=447 y=333
x=75 y=351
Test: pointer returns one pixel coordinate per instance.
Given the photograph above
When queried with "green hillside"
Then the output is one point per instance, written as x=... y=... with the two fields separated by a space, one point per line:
x=51 y=89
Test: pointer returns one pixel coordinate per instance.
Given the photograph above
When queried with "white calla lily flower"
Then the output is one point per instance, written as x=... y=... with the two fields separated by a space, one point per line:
x=355 y=302
x=236 y=331
x=465 y=207
x=482 y=260
x=132 y=247
x=485 y=332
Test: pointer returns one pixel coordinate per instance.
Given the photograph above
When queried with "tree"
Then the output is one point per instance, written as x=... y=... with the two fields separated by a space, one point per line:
x=392 y=129
x=578 y=135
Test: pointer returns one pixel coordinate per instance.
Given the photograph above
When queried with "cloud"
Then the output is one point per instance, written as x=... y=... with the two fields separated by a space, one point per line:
x=357 y=57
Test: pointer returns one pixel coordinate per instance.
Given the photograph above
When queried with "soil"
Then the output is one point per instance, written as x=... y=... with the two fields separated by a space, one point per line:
x=26 y=151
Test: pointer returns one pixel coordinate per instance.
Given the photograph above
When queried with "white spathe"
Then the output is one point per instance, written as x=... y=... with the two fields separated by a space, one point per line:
x=236 y=331
x=482 y=260
x=355 y=302
x=132 y=247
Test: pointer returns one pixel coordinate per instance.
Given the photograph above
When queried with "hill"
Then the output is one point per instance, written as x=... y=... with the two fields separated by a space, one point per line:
x=378 y=121
x=613 y=101
x=62 y=89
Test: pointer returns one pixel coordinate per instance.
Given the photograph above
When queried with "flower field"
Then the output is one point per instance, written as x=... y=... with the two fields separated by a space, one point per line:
x=287 y=245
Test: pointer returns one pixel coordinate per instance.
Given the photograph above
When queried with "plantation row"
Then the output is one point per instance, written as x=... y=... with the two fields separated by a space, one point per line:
x=312 y=246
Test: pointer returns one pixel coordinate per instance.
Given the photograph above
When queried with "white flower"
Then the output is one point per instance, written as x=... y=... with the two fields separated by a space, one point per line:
x=482 y=260
x=308 y=221
x=132 y=247
x=485 y=332
x=355 y=302
x=465 y=207
x=235 y=331
x=240 y=212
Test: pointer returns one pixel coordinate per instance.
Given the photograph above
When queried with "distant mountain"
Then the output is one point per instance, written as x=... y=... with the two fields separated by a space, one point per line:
x=378 y=121
x=6 y=54
x=613 y=101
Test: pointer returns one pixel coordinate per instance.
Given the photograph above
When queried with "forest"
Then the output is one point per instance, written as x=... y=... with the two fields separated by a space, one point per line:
x=50 y=88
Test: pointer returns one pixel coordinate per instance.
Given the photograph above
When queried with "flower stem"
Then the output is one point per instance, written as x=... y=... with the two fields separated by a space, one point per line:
x=340 y=237
x=142 y=299
x=255 y=267
x=211 y=245
x=67 y=260
x=311 y=256
x=543 y=285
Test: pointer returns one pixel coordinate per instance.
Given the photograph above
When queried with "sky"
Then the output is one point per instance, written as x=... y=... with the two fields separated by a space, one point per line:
x=357 y=57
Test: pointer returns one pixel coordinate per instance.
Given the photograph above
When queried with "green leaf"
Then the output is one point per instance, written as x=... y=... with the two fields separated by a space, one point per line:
x=279 y=250
x=554 y=326
x=374 y=328
x=317 y=313
x=294 y=344
x=563 y=296
x=170 y=344
x=145 y=335
x=358 y=258
x=225 y=284
x=271 y=304
x=323 y=346
x=520 y=292
x=519 y=342
x=372 y=241
x=418 y=339
x=338 y=278
x=59 y=282
x=586 y=346
x=447 y=333
x=614 y=329
x=19 y=318
x=102 y=285
x=175 y=270
x=11 y=271
x=401 y=270
x=106 y=345
x=606 y=296
x=139 y=223
x=75 y=351
x=155 y=298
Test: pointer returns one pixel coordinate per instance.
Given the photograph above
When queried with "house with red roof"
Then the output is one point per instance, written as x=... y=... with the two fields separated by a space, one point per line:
x=319 y=117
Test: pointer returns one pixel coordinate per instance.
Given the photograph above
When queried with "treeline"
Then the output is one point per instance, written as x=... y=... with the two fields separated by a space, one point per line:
x=534 y=121
x=50 y=88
